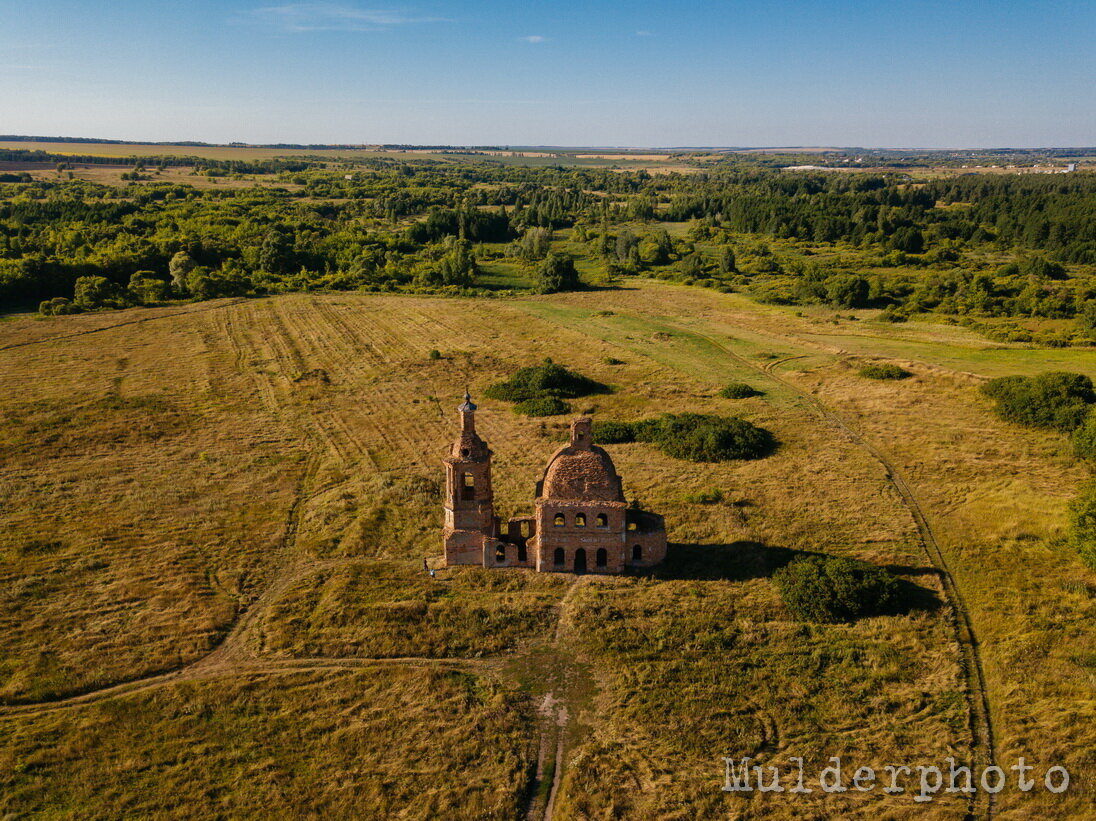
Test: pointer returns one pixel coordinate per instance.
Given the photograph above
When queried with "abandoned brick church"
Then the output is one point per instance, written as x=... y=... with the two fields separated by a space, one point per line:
x=581 y=524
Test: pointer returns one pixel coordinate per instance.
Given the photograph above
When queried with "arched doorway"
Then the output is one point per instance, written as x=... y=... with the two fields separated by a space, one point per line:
x=580 y=560
x=557 y=557
x=602 y=557
x=637 y=554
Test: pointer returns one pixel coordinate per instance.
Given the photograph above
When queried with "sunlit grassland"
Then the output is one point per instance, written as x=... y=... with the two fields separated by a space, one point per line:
x=996 y=494
x=178 y=451
x=376 y=743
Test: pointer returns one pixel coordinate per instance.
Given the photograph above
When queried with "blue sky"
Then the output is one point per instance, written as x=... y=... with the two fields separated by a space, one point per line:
x=785 y=72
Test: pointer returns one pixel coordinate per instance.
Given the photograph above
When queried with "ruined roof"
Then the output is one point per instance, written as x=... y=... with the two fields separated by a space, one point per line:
x=581 y=473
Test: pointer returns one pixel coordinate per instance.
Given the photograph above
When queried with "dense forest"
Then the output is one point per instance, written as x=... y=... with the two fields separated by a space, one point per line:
x=975 y=245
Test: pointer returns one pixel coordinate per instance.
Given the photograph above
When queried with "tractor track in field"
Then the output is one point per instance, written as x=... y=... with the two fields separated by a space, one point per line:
x=980 y=720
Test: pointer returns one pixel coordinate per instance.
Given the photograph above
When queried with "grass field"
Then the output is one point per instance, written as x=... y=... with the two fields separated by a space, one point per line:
x=215 y=518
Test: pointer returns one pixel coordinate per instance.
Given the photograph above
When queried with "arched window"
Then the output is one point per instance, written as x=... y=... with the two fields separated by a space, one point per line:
x=602 y=520
x=468 y=488
x=523 y=555
x=559 y=521
x=631 y=525
x=637 y=553
x=557 y=557
x=500 y=553
x=602 y=557
x=580 y=520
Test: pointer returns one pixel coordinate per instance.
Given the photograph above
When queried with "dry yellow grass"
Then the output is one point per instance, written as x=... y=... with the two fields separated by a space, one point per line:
x=378 y=743
x=284 y=454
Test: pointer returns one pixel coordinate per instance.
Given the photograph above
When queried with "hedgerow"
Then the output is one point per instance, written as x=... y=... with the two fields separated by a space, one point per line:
x=692 y=436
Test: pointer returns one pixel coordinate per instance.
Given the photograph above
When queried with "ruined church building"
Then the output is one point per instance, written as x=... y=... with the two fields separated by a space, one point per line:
x=581 y=522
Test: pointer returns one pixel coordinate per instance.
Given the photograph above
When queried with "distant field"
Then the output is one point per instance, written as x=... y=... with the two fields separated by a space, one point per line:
x=224 y=612
x=527 y=158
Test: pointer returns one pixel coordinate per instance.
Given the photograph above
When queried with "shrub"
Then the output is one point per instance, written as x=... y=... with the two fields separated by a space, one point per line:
x=700 y=438
x=1084 y=438
x=95 y=292
x=556 y=273
x=613 y=433
x=739 y=390
x=1056 y=400
x=832 y=589
x=1082 y=524
x=846 y=291
x=434 y=354
x=542 y=406
x=548 y=379
x=692 y=436
x=712 y=496
x=884 y=372
x=58 y=306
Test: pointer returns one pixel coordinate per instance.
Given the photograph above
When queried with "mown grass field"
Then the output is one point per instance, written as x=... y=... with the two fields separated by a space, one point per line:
x=221 y=511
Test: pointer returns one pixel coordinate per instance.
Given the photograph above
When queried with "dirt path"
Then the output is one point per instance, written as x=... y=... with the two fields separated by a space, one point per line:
x=554 y=720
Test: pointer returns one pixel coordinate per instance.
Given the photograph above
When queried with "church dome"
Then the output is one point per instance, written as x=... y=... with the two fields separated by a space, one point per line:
x=586 y=474
x=581 y=471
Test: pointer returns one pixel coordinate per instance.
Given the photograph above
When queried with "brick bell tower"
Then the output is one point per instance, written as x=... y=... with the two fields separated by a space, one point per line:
x=469 y=505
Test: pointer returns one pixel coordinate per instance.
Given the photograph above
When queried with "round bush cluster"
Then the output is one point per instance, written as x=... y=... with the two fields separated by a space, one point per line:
x=546 y=379
x=884 y=372
x=832 y=589
x=1056 y=400
x=739 y=390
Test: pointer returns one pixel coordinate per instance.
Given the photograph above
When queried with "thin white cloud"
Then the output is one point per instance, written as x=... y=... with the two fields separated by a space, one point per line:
x=307 y=17
x=644 y=33
x=534 y=38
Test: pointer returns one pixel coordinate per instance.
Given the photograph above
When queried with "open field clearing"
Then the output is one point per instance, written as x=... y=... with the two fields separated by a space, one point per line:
x=238 y=497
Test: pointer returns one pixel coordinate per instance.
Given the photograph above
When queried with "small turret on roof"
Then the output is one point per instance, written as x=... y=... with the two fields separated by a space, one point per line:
x=469 y=445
